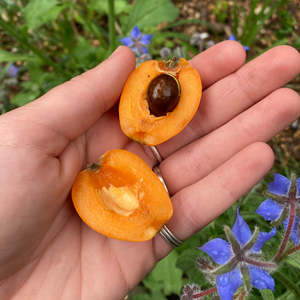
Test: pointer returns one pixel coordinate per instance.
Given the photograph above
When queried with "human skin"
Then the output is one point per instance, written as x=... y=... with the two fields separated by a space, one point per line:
x=47 y=252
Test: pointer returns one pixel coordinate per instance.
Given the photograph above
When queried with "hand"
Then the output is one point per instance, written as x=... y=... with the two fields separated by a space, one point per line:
x=47 y=252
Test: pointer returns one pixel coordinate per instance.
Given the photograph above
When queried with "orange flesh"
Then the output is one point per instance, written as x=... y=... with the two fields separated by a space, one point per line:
x=135 y=119
x=121 y=168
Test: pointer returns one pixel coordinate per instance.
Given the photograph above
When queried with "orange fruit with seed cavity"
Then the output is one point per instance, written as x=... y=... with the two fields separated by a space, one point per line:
x=121 y=197
x=158 y=100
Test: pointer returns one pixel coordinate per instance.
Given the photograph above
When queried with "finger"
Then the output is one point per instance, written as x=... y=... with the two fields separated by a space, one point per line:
x=259 y=123
x=237 y=92
x=218 y=62
x=102 y=137
x=199 y=204
x=71 y=108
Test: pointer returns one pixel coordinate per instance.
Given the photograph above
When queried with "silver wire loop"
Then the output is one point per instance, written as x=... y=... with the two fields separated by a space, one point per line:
x=165 y=232
x=170 y=237
x=156 y=170
x=156 y=154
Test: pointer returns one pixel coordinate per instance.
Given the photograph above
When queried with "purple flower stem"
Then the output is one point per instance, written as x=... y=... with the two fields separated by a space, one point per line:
x=205 y=293
x=201 y=46
x=139 y=46
x=293 y=250
x=261 y=264
x=288 y=232
x=202 y=264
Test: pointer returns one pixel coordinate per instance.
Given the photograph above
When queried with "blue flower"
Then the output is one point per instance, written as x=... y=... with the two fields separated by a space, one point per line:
x=13 y=71
x=236 y=259
x=137 y=42
x=232 y=38
x=283 y=201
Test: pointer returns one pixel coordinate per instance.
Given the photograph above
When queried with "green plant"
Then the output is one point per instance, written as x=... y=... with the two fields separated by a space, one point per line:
x=221 y=10
x=256 y=19
x=56 y=40
x=287 y=23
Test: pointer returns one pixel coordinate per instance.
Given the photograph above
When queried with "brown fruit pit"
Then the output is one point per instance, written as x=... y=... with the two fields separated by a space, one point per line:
x=163 y=94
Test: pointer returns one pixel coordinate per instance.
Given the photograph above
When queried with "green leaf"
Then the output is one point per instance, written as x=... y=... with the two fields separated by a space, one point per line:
x=147 y=13
x=259 y=22
x=267 y=294
x=9 y=2
x=187 y=262
x=35 y=72
x=158 y=295
x=171 y=34
x=187 y=259
x=297 y=43
x=3 y=72
x=39 y=12
x=93 y=29
x=290 y=285
x=23 y=98
x=84 y=56
x=121 y=6
x=165 y=276
x=6 y=56
x=141 y=297
x=288 y=295
x=51 y=80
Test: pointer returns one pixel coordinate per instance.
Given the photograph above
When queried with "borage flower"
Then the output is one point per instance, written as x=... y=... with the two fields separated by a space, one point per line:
x=239 y=265
x=13 y=71
x=165 y=52
x=232 y=38
x=283 y=205
x=197 y=40
x=137 y=41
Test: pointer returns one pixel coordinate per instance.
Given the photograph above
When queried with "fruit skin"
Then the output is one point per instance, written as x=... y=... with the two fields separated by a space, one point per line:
x=135 y=119
x=121 y=168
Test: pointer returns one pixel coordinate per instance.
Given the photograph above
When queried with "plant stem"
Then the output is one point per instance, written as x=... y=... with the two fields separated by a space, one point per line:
x=261 y=264
x=94 y=29
x=205 y=293
x=287 y=233
x=26 y=44
x=71 y=21
x=111 y=19
x=293 y=250
x=242 y=295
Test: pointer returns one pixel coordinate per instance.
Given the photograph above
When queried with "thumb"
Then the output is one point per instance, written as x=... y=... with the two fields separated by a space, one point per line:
x=71 y=108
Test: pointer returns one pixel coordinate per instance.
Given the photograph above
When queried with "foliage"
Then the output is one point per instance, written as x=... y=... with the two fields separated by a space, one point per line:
x=65 y=38
x=165 y=277
x=257 y=18
x=221 y=10
x=241 y=263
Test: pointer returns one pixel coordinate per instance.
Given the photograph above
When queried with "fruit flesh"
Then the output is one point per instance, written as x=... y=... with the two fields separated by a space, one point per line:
x=122 y=170
x=135 y=118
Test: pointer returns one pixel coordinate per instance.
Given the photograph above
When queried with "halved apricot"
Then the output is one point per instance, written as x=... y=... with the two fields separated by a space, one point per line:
x=158 y=100
x=122 y=198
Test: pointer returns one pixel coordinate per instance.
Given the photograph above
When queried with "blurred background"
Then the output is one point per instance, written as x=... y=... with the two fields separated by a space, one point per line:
x=44 y=43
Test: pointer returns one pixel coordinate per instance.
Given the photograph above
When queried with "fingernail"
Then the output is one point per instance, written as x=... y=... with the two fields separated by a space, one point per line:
x=116 y=51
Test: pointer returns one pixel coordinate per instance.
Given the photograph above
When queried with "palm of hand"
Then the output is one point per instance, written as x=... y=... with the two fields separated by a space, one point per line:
x=46 y=248
x=54 y=239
